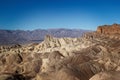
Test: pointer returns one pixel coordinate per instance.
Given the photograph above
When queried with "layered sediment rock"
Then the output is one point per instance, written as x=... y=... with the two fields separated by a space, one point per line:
x=109 y=29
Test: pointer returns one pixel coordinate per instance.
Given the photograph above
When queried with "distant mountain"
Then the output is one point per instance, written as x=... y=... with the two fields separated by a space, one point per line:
x=20 y=36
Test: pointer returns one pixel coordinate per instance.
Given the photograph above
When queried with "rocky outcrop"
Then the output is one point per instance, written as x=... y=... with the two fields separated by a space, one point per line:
x=107 y=76
x=64 y=45
x=109 y=29
x=20 y=64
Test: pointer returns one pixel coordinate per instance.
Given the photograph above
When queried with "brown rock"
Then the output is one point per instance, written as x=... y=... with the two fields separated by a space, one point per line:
x=109 y=29
x=106 y=76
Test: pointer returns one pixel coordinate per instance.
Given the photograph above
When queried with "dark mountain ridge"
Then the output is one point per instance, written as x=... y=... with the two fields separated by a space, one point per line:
x=21 y=36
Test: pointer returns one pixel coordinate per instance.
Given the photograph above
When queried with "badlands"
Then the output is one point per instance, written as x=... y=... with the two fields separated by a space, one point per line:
x=94 y=56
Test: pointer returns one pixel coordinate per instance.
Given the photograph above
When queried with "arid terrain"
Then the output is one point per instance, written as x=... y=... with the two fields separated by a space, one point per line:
x=94 y=56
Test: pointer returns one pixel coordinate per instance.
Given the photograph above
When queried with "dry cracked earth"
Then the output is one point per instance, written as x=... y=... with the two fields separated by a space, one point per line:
x=94 y=56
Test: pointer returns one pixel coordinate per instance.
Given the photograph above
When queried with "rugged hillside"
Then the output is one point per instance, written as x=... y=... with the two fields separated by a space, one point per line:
x=109 y=29
x=94 y=56
x=19 y=36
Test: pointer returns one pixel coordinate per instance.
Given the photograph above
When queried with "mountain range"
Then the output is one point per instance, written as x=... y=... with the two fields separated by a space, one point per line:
x=8 y=37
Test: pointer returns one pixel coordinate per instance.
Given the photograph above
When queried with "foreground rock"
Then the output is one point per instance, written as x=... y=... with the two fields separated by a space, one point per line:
x=107 y=76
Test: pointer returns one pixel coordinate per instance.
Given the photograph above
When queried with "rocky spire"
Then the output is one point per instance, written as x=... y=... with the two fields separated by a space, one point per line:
x=48 y=37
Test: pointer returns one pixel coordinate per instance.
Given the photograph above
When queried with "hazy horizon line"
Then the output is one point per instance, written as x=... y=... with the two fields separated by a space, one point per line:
x=46 y=29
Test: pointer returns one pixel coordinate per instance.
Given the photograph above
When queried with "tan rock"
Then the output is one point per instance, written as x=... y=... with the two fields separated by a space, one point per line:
x=106 y=76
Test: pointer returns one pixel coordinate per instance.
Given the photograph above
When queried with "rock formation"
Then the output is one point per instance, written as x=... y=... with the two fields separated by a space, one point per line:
x=95 y=56
x=109 y=29
x=107 y=76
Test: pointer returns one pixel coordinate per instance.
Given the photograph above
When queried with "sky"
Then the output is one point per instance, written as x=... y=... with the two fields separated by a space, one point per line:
x=47 y=14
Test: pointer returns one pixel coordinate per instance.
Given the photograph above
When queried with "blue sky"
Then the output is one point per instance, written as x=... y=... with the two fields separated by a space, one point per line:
x=44 y=14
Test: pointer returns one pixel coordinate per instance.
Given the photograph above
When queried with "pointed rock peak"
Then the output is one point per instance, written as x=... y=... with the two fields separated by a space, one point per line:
x=48 y=37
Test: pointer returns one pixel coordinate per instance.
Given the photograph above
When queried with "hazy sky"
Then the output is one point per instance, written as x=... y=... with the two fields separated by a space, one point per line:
x=78 y=14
